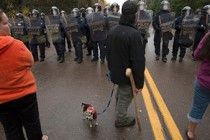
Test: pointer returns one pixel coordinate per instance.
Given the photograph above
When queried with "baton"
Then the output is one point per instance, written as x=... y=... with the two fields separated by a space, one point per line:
x=136 y=103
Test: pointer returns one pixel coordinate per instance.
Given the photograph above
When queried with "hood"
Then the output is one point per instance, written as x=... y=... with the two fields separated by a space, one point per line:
x=5 y=42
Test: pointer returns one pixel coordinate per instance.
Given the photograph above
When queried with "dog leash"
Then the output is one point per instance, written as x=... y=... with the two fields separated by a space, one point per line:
x=108 y=102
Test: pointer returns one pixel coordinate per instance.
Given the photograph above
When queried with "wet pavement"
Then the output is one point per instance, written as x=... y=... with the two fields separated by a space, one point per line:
x=63 y=87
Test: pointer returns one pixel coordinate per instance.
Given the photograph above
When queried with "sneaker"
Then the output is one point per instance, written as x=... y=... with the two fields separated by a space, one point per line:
x=180 y=59
x=75 y=59
x=59 y=58
x=79 y=60
x=62 y=60
x=173 y=58
x=164 y=59
x=94 y=59
x=128 y=122
x=157 y=57
x=44 y=137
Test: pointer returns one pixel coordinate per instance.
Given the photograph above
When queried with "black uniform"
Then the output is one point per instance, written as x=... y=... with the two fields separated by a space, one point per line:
x=38 y=40
x=176 y=46
x=201 y=30
x=158 y=35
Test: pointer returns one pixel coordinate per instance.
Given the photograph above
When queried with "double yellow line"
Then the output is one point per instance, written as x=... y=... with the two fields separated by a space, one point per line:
x=153 y=116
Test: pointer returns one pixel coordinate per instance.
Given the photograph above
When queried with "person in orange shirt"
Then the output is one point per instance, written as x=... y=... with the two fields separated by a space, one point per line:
x=18 y=102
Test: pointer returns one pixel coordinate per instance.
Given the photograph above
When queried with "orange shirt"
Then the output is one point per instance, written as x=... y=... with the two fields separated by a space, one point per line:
x=16 y=78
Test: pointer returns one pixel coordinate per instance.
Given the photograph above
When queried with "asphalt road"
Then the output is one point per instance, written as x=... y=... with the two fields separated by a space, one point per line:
x=63 y=87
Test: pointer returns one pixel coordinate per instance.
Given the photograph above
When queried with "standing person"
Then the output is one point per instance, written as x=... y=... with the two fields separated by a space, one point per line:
x=125 y=50
x=37 y=40
x=89 y=44
x=201 y=28
x=186 y=12
x=58 y=37
x=20 y=22
x=42 y=16
x=66 y=38
x=18 y=102
x=76 y=37
x=201 y=87
x=97 y=9
x=166 y=36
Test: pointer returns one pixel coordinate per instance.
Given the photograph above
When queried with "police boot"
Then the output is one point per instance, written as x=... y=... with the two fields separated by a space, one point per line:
x=180 y=59
x=58 y=58
x=79 y=60
x=62 y=60
x=42 y=59
x=164 y=59
x=173 y=58
x=94 y=59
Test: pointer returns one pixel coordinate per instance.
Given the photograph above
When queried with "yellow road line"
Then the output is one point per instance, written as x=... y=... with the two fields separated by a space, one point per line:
x=173 y=130
x=153 y=117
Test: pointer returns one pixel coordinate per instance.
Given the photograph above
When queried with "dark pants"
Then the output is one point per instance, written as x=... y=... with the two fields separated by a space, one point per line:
x=35 y=51
x=102 y=49
x=78 y=49
x=60 y=48
x=21 y=113
x=198 y=38
x=176 y=47
x=27 y=45
x=157 y=41
x=66 y=39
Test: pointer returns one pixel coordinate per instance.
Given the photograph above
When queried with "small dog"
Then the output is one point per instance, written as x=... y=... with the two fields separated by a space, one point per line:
x=90 y=114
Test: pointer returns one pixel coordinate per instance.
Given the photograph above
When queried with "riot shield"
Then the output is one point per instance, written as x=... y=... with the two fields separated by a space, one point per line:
x=36 y=31
x=53 y=27
x=166 y=22
x=144 y=20
x=19 y=29
x=71 y=27
x=97 y=26
x=187 y=33
x=113 y=20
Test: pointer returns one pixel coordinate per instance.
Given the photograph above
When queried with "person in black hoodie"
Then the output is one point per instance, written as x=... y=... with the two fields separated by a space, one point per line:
x=125 y=50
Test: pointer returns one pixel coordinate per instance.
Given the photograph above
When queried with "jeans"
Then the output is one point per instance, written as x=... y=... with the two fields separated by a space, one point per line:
x=200 y=102
x=23 y=112
x=124 y=97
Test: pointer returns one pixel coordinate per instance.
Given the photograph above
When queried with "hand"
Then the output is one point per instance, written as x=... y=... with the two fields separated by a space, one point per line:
x=138 y=90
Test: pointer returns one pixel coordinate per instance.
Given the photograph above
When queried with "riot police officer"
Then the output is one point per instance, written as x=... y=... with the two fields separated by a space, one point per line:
x=115 y=7
x=66 y=38
x=202 y=27
x=77 y=37
x=82 y=12
x=21 y=22
x=185 y=13
x=39 y=39
x=58 y=42
x=142 y=14
x=89 y=43
x=166 y=36
x=97 y=9
x=42 y=16
x=106 y=11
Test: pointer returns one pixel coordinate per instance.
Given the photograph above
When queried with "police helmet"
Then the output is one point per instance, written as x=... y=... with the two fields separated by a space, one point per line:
x=165 y=5
x=55 y=11
x=97 y=6
x=186 y=11
x=115 y=5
